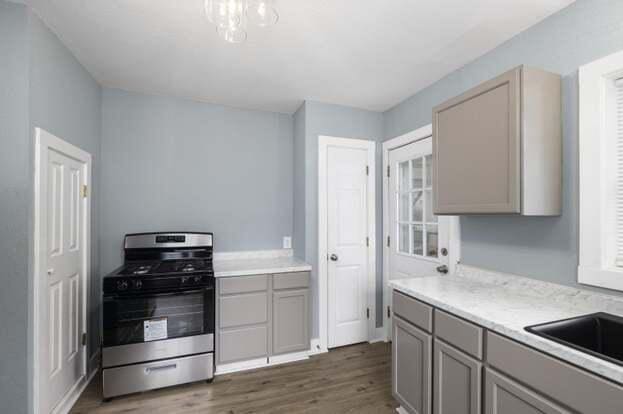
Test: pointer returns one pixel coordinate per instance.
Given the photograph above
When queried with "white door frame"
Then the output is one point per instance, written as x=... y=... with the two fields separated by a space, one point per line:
x=44 y=141
x=454 y=243
x=324 y=142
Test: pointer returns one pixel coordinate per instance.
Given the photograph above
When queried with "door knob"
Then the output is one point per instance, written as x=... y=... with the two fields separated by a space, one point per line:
x=50 y=272
x=334 y=257
x=442 y=269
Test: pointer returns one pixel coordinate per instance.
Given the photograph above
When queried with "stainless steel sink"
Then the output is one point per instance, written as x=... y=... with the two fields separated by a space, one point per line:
x=598 y=334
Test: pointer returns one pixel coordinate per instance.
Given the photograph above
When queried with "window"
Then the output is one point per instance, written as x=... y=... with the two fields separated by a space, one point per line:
x=417 y=226
x=601 y=172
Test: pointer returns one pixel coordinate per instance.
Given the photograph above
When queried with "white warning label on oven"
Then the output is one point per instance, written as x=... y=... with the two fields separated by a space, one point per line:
x=155 y=329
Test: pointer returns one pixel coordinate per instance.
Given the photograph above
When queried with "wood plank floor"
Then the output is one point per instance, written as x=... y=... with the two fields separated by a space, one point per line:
x=354 y=379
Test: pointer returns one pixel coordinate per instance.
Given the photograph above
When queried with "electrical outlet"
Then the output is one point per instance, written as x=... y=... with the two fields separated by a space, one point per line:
x=287 y=242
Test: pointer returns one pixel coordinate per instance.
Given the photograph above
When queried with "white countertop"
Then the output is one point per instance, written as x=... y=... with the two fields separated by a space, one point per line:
x=246 y=265
x=507 y=304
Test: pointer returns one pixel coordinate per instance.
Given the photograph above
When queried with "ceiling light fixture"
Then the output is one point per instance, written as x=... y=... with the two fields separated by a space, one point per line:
x=231 y=16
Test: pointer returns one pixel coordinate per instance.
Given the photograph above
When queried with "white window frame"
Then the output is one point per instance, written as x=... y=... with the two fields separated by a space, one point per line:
x=596 y=139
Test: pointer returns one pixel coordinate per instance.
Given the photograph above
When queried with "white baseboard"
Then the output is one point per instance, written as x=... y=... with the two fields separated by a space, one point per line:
x=315 y=348
x=284 y=359
x=401 y=410
x=241 y=366
x=379 y=336
x=72 y=396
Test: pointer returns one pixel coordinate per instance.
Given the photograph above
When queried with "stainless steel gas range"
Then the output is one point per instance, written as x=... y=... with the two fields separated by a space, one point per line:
x=159 y=314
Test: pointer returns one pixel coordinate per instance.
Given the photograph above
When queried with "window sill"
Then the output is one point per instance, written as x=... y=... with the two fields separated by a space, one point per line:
x=604 y=278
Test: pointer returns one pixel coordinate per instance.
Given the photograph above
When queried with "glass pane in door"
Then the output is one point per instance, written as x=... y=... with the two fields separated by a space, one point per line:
x=432 y=240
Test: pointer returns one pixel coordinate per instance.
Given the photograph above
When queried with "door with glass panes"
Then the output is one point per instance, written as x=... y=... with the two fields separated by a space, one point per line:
x=418 y=239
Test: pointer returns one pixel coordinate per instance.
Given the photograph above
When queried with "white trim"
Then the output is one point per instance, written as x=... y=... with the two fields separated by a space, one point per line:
x=241 y=366
x=261 y=362
x=43 y=141
x=287 y=358
x=401 y=410
x=379 y=335
x=454 y=244
x=70 y=399
x=323 y=143
x=596 y=143
x=315 y=348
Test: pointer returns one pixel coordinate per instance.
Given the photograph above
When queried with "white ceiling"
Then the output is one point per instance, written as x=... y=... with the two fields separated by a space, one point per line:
x=368 y=54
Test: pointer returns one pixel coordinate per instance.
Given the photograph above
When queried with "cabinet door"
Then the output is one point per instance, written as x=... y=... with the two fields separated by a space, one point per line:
x=290 y=321
x=411 y=367
x=476 y=149
x=457 y=381
x=505 y=396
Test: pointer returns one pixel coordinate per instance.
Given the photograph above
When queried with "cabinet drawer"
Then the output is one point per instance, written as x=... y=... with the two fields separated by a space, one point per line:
x=243 y=284
x=412 y=310
x=555 y=379
x=239 y=310
x=142 y=377
x=291 y=280
x=462 y=334
x=243 y=343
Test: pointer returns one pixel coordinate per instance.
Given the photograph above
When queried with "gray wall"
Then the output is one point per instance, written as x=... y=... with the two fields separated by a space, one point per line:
x=544 y=248
x=41 y=85
x=345 y=122
x=172 y=164
x=15 y=196
x=66 y=101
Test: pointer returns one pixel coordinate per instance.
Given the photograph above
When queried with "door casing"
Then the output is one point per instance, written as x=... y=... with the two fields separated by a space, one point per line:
x=324 y=142
x=44 y=141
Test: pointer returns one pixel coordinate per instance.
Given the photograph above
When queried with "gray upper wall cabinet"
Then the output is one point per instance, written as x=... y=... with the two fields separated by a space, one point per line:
x=497 y=147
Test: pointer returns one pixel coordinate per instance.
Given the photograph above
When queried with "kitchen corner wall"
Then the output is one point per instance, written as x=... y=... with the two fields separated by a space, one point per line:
x=41 y=85
x=312 y=120
x=541 y=247
x=173 y=165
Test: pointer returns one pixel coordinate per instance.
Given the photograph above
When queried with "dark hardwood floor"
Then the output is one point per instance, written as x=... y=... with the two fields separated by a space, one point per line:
x=354 y=379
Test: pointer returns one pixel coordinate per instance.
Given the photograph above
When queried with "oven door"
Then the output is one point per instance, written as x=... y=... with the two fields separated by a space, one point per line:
x=149 y=318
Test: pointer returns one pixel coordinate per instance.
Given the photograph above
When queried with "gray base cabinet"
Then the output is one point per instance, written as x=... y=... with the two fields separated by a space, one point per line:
x=290 y=321
x=457 y=381
x=517 y=378
x=411 y=367
x=262 y=315
x=505 y=396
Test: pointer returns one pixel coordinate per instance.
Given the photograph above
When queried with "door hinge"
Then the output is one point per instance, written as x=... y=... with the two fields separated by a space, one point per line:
x=367 y=170
x=84 y=339
x=388 y=171
x=389 y=312
x=85 y=191
x=367 y=241
x=388 y=241
x=368 y=313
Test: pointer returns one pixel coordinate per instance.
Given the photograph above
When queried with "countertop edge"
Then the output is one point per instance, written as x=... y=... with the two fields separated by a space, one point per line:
x=586 y=362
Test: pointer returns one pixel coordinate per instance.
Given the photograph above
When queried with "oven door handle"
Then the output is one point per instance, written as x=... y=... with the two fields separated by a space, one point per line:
x=158 y=294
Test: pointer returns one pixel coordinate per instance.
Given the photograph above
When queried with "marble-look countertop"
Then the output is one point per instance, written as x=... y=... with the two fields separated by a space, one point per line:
x=506 y=304
x=246 y=265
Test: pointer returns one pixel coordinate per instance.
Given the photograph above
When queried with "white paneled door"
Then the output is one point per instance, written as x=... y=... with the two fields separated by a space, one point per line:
x=62 y=213
x=347 y=220
x=418 y=239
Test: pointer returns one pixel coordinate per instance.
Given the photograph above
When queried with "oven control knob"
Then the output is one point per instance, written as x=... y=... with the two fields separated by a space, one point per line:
x=198 y=279
x=138 y=284
x=122 y=285
x=184 y=280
